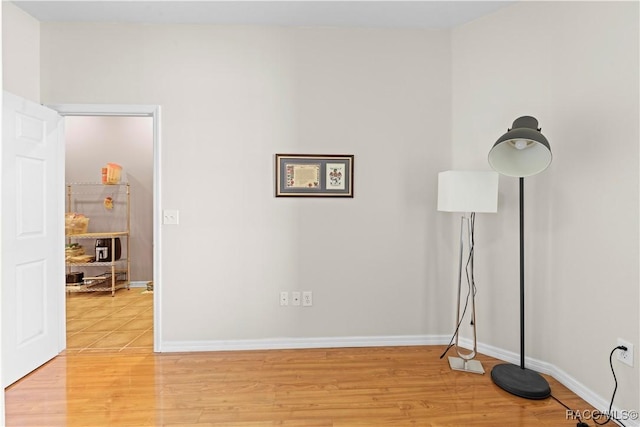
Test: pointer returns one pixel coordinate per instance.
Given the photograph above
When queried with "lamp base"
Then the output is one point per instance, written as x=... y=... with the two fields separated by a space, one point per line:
x=460 y=364
x=520 y=381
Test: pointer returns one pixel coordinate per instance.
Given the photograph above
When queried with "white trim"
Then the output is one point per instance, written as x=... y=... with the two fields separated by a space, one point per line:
x=511 y=357
x=2 y=402
x=157 y=231
x=138 y=283
x=298 y=343
x=133 y=111
x=105 y=110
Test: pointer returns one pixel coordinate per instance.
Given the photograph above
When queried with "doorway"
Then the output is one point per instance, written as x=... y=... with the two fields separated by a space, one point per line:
x=95 y=321
x=79 y=119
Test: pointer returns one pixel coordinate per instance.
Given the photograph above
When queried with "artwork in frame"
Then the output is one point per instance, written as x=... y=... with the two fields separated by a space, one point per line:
x=314 y=175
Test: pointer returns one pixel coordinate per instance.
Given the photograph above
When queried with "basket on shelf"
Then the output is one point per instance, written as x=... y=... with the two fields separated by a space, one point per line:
x=75 y=223
x=73 y=250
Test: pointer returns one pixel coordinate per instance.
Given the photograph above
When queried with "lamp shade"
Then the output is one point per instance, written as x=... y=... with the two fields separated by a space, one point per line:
x=522 y=151
x=468 y=191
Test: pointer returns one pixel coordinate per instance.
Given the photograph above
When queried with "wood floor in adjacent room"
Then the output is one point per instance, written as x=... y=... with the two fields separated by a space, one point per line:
x=382 y=386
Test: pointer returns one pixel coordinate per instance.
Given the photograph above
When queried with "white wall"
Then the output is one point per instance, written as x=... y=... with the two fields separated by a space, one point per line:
x=91 y=142
x=2 y=411
x=231 y=98
x=574 y=66
x=20 y=52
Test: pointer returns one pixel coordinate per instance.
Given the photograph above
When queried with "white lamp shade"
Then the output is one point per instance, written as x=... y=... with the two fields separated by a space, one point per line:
x=468 y=191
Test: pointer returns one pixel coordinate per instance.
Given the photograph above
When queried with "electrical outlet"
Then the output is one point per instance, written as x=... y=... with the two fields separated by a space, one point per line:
x=307 y=298
x=284 y=298
x=625 y=357
x=295 y=298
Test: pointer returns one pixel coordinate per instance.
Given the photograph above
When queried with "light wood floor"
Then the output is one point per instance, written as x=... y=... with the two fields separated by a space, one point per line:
x=383 y=386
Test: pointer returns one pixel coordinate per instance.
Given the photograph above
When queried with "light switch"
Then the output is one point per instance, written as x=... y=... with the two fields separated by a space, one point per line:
x=170 y=216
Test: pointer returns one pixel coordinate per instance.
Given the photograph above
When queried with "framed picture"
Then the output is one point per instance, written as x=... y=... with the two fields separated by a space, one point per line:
x=314 y=175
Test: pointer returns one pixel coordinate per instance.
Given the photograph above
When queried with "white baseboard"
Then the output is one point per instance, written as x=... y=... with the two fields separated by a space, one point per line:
x=293 y=343
x=571 y=383
x=139 y=283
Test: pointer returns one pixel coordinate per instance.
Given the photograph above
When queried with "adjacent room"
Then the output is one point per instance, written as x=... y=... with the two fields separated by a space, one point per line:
x=302 y=266
x=92 y=143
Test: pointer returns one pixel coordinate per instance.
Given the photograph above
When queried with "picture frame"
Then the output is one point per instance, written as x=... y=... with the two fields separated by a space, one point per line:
x=314 y=175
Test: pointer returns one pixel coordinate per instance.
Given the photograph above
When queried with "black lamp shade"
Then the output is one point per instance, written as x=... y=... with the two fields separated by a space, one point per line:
x=522 y=151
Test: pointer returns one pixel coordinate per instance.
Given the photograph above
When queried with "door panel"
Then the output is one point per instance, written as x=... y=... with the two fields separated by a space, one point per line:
x=31 y=293
x=31 y=193
x=32 y=237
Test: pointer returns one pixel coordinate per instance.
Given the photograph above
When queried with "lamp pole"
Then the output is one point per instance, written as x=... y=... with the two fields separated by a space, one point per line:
x=521 y=179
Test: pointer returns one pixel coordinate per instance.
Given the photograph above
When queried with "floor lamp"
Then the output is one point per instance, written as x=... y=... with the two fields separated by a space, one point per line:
x=522 y=151
x=467 y=192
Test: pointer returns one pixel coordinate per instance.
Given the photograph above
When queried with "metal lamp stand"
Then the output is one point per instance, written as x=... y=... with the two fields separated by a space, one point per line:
x=522 y=151
x=515 y=379
x=465 y=361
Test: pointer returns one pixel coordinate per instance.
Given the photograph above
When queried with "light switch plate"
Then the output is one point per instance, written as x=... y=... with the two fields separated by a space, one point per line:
x=170 y=216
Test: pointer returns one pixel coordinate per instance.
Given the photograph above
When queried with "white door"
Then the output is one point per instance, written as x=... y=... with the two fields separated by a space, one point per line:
x=32 y=221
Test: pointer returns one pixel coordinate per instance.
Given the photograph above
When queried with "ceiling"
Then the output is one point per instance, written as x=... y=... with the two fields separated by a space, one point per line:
x=387 y=14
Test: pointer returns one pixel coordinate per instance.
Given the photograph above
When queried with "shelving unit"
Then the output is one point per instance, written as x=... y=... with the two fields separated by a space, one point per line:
x=117 y=273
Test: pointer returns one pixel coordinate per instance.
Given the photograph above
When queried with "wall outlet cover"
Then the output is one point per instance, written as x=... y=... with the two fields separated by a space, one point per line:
x=284 y=298
x=625 y=357
x=295 y=298
x=307 y=298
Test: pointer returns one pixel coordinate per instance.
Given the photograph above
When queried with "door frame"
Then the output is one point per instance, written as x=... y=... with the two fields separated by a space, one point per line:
x=124 y=110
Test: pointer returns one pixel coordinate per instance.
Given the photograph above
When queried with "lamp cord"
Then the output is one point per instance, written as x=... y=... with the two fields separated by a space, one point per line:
x=469 y=267
x=615 y=388
x=573 y=411
x=470 y=283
